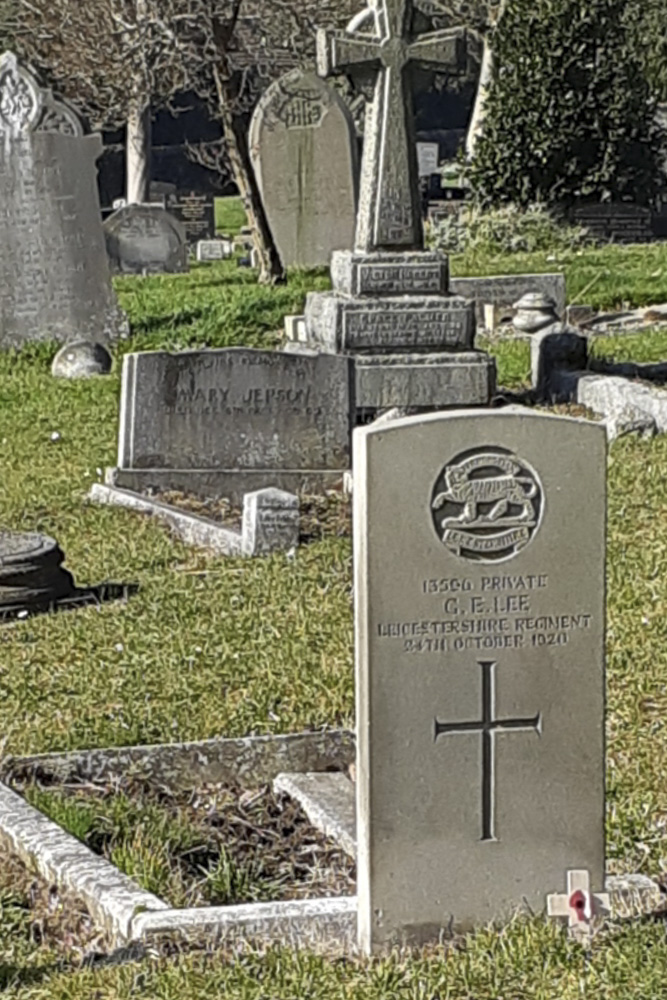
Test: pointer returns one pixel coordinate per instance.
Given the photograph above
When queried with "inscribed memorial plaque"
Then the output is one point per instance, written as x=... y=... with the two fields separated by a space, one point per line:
x=479 y=583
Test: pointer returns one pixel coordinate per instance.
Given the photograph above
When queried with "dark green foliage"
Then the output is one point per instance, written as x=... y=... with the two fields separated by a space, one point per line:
x=569 y=112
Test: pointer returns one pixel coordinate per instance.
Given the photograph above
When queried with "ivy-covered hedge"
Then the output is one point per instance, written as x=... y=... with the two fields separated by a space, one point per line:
x=569 y=114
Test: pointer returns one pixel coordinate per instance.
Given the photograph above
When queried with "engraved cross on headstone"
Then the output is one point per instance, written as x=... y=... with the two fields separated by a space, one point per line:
x=488 y=726
x=389 y=215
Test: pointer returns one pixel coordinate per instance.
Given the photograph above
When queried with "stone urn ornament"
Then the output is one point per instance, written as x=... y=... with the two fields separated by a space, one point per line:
x=534 y=311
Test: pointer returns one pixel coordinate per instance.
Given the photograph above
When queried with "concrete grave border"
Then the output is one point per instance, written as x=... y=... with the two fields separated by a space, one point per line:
x=199 y=531
x=296 y=763
x=126 y=911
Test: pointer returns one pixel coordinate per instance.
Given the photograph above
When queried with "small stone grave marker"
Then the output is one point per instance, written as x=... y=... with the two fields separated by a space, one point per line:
x=228 y=422
x=214 y=250
x=479 y=589
x=270 y=522
x=304 y=151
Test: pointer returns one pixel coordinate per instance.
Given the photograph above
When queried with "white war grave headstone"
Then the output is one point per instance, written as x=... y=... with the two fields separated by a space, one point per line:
x=54 y=275
x=304 y=153
x=479 y=588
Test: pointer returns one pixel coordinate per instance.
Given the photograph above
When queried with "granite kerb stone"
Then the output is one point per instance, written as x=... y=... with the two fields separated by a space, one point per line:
x=322 y=925
x=190 y=528
x=270 y=521
x=328 y=802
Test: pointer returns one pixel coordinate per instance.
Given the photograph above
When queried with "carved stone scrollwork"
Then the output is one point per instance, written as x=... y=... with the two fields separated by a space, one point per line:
x=26 y=107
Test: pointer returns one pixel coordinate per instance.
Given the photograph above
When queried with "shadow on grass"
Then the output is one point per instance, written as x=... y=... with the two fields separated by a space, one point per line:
x=14 y=976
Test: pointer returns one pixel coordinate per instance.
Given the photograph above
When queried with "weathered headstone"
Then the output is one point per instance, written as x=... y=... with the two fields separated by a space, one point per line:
x=227 y=422
x=195 y=210
x=390 y=307
x=54 y=275
x=145 y=239
x=304 y=152
x=480 y=666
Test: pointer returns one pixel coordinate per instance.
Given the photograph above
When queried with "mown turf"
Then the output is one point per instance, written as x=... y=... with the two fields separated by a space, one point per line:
x=607 y=277
x=225 y=647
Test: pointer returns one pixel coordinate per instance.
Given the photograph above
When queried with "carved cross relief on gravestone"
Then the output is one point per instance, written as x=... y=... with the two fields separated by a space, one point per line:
x=479 y=609
x=382 y=38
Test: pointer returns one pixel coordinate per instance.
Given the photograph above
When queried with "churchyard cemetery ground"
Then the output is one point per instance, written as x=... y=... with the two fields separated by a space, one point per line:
x=227 y=647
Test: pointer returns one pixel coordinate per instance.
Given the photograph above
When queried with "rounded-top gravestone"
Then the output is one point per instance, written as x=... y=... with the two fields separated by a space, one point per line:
x=145 y=239
x=31 y=572
x=305 y=156
x=81 y=359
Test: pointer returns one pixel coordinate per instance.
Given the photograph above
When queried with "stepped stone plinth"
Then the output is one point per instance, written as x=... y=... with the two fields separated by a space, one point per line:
x=413 y=343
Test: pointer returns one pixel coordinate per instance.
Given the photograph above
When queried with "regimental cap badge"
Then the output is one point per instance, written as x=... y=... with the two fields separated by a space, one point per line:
x=487 y=504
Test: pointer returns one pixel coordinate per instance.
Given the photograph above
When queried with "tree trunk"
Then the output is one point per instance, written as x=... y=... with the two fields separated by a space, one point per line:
x=477 y=118
x=271 y=270
x=138 y=154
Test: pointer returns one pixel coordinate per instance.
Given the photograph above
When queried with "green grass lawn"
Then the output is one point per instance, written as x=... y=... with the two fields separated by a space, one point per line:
x=213 y=647
x=610 y=277
x=230 y=215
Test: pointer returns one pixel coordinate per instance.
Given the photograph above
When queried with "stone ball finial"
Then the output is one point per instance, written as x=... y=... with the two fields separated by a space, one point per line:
x=534 y=311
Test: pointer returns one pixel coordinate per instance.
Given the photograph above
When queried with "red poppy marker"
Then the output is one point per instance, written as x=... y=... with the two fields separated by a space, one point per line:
x=579 y=905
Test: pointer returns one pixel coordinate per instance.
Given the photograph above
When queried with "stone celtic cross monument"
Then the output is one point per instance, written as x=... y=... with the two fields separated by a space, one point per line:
x=391 y=309
x=54 y=276
x=389 y=213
